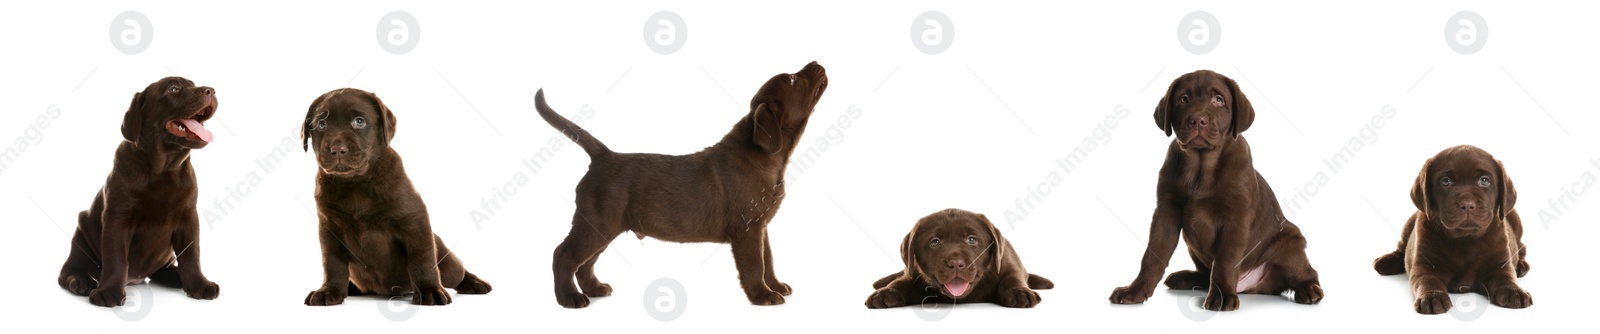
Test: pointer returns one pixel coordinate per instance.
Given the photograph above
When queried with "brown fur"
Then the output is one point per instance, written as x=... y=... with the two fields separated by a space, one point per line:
x=725 y=193
x=970 y=249
x=374 y=229
x=143 y=223
x=1463 y=236
x=1209 y=191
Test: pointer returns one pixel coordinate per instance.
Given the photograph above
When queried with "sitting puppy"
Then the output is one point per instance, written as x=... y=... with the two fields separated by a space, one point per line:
x=372 y=224
x=143 y=222
x=956 y=256
x=1209 y=191
x=725 y=193
x=1464 y=235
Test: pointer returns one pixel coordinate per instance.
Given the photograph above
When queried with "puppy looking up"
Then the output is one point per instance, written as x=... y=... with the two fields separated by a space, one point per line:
x=725 y=193
x=374 y=229
x=1464 y=235
x=143 y=222
x=957 y=256
x=1209 y=191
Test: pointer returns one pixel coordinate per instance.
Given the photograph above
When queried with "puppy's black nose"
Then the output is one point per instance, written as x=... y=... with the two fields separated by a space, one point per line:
x=956 y=263
x=207 y=91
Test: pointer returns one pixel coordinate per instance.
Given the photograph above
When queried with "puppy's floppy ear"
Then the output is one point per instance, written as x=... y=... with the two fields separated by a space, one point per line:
x=909 y=255
x=1508 y=192
x=1164 y=109
x=388 y=121
x=766 y=130
x=999 y=242
x=133 y=120
x=1419 y=190
x=1243 y=113
x=305 y=126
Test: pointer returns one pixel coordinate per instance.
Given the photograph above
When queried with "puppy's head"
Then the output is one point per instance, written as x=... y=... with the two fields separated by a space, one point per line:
x=953 y=249
x=780 y=110
x=170 y=112
x=350 y=129
x=1464 y=189
x=1206 y=109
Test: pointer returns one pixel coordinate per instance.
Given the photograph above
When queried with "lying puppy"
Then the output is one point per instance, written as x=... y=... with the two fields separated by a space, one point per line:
x=956 y=256
x=143 y=223
x=725 y=193
x=1211 y=193
x=1464 y=235
x=372 y=224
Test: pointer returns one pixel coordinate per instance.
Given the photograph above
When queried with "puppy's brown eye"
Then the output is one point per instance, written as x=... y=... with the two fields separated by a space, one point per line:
x=1183 y=99
x=172 y=89
x=1483 y=181
x=359 y=123
x=972 y=240
x=1445 y=182
x=934 y=242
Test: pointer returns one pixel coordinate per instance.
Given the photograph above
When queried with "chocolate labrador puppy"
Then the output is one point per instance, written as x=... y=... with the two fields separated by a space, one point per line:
x=1464 y=235
x=143 y=223
x=957 y=256
x=372 y=224
x=725 y=193
x=1210 y=192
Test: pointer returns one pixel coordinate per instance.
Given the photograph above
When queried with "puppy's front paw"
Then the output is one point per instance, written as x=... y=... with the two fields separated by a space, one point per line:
x=431 y=295
x=1389 y=264
x=1019 y=297
x=326 y=297
x=1310 y=293
x=765 y=297
x=780 y=287
x=472 y=285
x=108 y=296
x=207 y=290
x=1221 y=300
x=1188 y=279
x=1434 y=302
x=1512 y=297
x=572 y=300
x=886 y=298
x=1130 y=295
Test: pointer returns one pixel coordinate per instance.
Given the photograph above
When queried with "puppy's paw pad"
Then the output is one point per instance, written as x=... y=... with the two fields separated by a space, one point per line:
x=765 y=298
x=572 y=300
x=434 y=295
x=325 y=297
x=1513 y=297
x=1019 y=297
x=1433 y=303
x=1217 y=300
x=598 y=290
x=107 y=296
x=885 y=298
x=207 y=291
x=1389 y=264
x=1308 y=294
x=1129 y=295
x=1188 y=279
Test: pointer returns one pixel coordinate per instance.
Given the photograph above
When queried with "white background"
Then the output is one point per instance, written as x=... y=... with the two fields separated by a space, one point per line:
x=977 y=127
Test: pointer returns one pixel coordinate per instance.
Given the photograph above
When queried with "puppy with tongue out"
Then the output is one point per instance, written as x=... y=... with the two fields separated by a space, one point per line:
x=957 y=256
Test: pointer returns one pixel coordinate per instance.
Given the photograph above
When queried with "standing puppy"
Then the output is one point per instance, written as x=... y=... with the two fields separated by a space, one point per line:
x=143 y=223
x=725 y=193
x=374 y=229
x=1464 y=236
x=958 y=256
x=1209 y=191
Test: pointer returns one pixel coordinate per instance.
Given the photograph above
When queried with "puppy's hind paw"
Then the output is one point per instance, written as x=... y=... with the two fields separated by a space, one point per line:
x=1390 y=264
x=472 y=285
x=597 y=290
x=885 y=298
x=1019 y=297
x=1188 y=279
x=1310 y=293
x=77 y=284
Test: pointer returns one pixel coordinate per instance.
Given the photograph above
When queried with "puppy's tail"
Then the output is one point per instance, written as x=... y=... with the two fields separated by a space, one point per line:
x=577 y=134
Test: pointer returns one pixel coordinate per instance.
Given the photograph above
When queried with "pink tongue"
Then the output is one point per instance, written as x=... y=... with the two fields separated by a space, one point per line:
x=957 y=287
x=196 y=129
